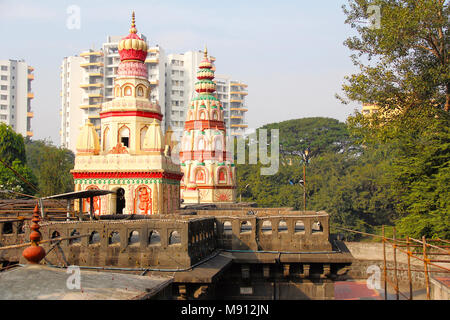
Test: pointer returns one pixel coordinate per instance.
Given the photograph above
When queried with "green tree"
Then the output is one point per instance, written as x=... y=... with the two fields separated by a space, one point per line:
x=344 y=179
x=12 y=145
x=404 y=61
x=12 y=153
x=51 y=165
x=404 y=69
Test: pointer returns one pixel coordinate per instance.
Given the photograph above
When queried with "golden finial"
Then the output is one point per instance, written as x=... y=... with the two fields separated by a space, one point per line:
x=206 y=52
x=133 y=24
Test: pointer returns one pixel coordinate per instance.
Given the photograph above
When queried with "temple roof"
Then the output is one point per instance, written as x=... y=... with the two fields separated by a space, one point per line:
x=132 y=47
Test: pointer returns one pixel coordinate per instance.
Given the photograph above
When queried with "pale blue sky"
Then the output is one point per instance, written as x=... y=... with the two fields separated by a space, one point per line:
x=290 y=53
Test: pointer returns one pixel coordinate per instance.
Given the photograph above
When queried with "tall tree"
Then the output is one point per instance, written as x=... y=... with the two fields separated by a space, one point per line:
x=12 y=146
x=51 y=165
x=403 y=57
x=15 y=175
x=404 y=68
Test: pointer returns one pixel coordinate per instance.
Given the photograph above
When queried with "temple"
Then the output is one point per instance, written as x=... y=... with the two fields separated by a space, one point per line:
x=133 y=157
x=209 y=171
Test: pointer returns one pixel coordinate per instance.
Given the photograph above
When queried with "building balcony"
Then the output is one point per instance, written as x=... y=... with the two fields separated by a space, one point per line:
x=235 y=100
x=91 y=85
x=88 y=64
x=94 y=116
x=152 y=60
x=95 y=95
x=237 y=117
x=91 y=53
x=30 y=76
x=237 y=84
x=239 y=109
x=30 y=95
x=241 y=93
x=30 y=69
x=96 y=74
x=153 y=50
x=30 y=114
x=29 y=133
x=238 y=125
x=154 y=82
x=88 y=106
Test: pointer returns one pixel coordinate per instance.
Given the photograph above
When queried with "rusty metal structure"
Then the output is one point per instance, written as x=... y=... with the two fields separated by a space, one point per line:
x=430 y=254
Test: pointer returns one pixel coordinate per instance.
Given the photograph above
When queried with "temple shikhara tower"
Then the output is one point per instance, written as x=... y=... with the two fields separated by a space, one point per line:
x=132 y=157
x=209 y=171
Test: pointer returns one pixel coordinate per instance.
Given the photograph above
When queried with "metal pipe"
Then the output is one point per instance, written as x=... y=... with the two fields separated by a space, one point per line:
x=281 y=252
x=427 y=282
x=409 y=269
x=384 y=266
x=395 y=265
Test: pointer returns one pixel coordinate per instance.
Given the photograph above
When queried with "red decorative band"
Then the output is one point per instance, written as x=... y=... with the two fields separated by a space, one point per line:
x=205 y=155
x=209 y=187
x=128 y=175
x=204 y=124
x=144 y=114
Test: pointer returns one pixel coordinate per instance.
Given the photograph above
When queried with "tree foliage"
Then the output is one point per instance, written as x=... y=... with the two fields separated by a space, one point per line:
x=404 y=61
x=349 y=183
x=12 y=145
x=12 y=152
x=404 y=69
x=51 y=165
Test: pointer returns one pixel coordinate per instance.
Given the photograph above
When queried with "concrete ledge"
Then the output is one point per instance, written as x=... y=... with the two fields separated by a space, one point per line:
x=38 y=282
x=440 y=288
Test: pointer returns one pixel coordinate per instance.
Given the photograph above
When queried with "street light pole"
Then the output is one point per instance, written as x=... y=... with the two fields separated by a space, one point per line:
x=304 y=186
x=306 y=156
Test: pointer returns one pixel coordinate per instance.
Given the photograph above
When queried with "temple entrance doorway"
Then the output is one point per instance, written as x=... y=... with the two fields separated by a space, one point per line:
x=117 y=203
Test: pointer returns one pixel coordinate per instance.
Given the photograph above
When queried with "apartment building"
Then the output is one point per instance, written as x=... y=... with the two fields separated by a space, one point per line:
x=16 y=95
x=232 y=94
x=369 y=109
x=71 y=100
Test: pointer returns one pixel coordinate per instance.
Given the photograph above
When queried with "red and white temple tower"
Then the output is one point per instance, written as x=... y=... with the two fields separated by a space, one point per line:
x=132 y=158
x=209 y=171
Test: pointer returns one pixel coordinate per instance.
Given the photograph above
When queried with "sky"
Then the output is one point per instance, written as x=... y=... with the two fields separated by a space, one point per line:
x=290 y=53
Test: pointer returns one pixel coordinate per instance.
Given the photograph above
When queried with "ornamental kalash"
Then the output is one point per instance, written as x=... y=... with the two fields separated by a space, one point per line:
x=209 y=171
x=133 y=158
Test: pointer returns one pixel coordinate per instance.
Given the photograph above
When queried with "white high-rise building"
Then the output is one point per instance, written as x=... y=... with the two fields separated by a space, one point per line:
x=71 y=97
x=172 y=78
x=232 y=94
x=16 y=95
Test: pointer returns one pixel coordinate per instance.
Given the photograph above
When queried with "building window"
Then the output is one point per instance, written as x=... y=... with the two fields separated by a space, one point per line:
x=124 y=136
x=4 y=87
x=3 y=107
x=4 y=68
x=4 y=78
x=3 y=97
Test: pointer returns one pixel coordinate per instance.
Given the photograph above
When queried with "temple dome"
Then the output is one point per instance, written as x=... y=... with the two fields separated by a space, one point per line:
x=132 y=47
x=88 y=142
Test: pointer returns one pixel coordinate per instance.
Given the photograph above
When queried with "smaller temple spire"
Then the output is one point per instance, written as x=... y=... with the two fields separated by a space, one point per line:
x=206 y=52
x=133 y=24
